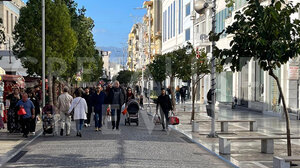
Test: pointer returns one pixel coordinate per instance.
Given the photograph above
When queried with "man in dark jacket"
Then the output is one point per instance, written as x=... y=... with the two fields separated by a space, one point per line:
x=88 y=98
x=165 y=104
x=98 y=100
x=116 y=99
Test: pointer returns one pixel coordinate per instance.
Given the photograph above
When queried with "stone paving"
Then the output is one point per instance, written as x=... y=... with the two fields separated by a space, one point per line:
x=243 y=153
x=133 y=146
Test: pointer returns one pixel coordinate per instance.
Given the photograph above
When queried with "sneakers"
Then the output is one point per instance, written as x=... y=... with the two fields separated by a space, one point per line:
x=96 y=129
x=33 y=133
x=99 y=129
x=61 y=132
x=85 y=124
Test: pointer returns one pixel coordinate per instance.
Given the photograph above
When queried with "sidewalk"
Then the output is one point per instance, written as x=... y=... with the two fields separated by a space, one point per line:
x=243 y=153
x=11 y=143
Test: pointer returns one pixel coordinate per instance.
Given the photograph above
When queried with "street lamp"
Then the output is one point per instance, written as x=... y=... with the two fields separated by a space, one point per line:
x=200 y=7
x=43 y=54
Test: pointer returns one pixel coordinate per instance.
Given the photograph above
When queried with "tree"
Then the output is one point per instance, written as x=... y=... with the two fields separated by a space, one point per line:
x=157 y=69
x=86 y=52
x=124 y=77
x=200 y=67
x=265 y=34
x=60 y=38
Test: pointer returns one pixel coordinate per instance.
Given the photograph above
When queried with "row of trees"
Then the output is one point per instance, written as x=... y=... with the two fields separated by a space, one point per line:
x=70 y=46
x=185 y=63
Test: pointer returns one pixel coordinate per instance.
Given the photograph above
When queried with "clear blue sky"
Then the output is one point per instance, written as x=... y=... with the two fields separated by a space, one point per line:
x=113 y=19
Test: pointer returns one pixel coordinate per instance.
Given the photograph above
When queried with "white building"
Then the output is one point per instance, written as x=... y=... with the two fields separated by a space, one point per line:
x=177 y=26
x=10 y=13
x=253 y=87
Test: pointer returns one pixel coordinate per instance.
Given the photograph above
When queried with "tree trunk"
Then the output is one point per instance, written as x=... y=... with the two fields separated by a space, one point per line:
x=172 y=92
x=193 y=100
x=54 y=91
x=50 y=92
x=288 y=132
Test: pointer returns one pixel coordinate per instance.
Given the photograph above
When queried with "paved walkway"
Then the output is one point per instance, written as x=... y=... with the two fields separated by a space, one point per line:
x=245 y=153
x=133 y=146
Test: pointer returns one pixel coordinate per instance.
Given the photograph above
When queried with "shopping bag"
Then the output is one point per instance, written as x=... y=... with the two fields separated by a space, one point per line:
x=173 y=120
x=124 y=111
x=21 y=111
x=108 y=118
x=156 y=119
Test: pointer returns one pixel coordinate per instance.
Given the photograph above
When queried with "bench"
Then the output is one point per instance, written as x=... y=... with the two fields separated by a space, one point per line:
x=284 y=162
x=267 y=143
x=224 y=124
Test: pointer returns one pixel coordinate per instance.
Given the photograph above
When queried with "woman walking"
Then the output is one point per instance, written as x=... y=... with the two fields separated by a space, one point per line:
x=80 y=109
x=129 y=95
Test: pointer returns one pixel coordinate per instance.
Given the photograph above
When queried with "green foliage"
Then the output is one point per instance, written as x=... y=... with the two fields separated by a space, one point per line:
x=60 y=37
x=264 y=33
x=157 y=69
x=86 y=48
x=124 y=77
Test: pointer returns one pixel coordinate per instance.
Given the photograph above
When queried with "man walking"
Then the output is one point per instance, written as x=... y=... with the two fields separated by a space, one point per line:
x=165 y=104
x=26 y=119
x=98 y=104
x=116 y=98
x=64 y=103
x=182 y=94
x=88 y=98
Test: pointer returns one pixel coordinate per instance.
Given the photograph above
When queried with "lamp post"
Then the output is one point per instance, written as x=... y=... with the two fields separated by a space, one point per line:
x=200 y=7
x=43 y=54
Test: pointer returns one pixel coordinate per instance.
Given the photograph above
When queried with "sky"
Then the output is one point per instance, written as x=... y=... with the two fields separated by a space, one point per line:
x=113 y=19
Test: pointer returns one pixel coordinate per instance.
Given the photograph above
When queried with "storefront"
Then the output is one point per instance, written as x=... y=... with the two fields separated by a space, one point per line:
x=224 y=87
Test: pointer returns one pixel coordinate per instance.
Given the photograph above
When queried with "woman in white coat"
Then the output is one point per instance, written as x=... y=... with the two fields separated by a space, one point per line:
x=80 y=109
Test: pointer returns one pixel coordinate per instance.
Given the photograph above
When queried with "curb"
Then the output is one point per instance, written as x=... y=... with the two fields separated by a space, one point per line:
x=202 y=146
x=23 y=145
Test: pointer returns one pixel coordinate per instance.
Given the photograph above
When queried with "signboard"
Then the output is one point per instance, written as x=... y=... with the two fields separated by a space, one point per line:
x=293 y=73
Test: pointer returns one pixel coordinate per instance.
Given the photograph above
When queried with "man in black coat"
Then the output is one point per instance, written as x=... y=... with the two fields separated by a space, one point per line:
x=165 y=104
x=116 y=99
x=88 y=98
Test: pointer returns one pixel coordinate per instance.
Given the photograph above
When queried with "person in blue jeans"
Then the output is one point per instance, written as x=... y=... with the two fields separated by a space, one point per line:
x=98 y=101
x=30 y=113
x=80 y=110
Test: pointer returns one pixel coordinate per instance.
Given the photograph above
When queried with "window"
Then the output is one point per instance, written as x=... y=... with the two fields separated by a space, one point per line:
x=259 y=83
x=202 y=28
x=7 y=23
x=179 y=16
x=171 y=20
x=187 y=34
x=174 y=19
x=187 y=9
x=164 y=25
x=11 y=22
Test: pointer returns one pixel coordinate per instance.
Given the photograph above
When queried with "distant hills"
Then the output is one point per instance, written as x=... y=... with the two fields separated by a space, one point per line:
x=116 y=54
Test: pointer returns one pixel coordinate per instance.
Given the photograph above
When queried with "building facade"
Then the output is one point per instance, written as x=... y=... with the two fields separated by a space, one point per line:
x=10 y=13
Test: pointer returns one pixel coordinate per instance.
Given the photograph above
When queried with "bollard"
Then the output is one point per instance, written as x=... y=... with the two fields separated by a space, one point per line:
x=195 y=126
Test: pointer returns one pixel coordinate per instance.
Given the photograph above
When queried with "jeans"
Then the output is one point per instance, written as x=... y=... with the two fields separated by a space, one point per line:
x=177 y=97
x=79 y=125
x=25 y=125
x=164 y=114
x=113 y=114
x=98 y=120
x=32 y=124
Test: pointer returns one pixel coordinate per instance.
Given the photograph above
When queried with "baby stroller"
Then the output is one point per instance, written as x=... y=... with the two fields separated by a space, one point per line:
x=132 y=114
x=48 y=120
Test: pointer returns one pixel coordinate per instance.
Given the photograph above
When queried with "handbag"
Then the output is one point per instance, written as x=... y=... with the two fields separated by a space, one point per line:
x=21 y=111
x=173 y=120
x=124 y=111
x=156 y=119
